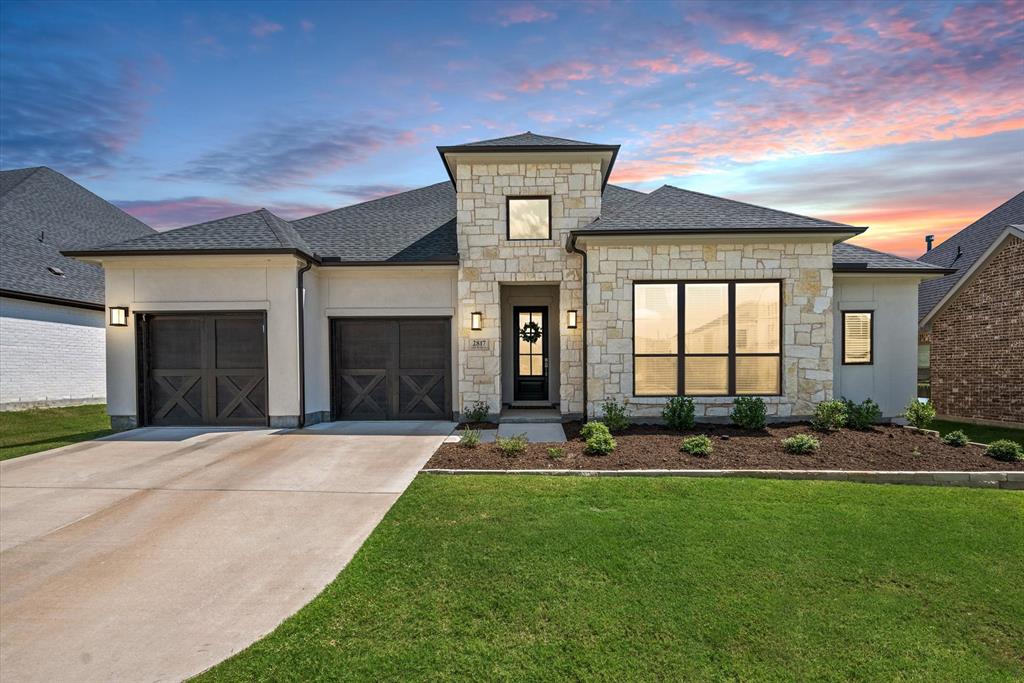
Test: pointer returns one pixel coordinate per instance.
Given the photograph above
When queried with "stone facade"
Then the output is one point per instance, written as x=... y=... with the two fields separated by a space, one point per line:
x=805 y=269
x=977 y=348
x=488 y=259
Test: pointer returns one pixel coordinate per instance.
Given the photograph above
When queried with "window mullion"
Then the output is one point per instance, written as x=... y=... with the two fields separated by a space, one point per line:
x=732 y=340
x=680 y=341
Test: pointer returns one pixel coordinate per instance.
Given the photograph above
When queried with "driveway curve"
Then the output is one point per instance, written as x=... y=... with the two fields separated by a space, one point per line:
x=153 y=554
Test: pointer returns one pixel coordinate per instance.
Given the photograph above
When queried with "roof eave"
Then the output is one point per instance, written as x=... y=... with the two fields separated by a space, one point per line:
x=841 y=232
x=858 y=268
x=444 y=150
x=55 y=300
x=90 y=253
x=329 y=262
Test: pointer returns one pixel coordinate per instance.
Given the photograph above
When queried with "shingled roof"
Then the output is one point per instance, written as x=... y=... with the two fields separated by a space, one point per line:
x=43 y=213
x=530 y=139
x=964 y=248
x=674 y=210
x=258 y=231
x=853 y=258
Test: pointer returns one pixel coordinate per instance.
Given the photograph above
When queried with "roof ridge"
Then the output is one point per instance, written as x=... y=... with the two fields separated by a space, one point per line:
x=375 y=199
x=263 y=213
x=756 y=206
x=35 y=169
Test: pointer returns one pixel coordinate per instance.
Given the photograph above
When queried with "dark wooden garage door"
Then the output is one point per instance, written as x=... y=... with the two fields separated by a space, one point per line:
x=391 y=368
x=203 y=369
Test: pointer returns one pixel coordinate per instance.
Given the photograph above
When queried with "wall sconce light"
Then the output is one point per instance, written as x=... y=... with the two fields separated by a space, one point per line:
x=119 y=316
x=572 y=321
x=476 y=321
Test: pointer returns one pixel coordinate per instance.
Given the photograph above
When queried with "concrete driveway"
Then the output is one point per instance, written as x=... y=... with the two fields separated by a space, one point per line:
x=153 y=554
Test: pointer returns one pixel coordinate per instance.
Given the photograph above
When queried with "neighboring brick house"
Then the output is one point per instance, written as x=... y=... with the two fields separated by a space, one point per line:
x=52 y=335
x=526 y=281
x=971 y=320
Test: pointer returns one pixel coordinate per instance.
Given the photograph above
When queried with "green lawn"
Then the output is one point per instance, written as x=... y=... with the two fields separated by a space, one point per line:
x=569 y=578
x=979 y=433
x=27 y=431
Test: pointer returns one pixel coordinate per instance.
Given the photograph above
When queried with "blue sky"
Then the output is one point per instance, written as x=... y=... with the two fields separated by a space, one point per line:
x=908 y=117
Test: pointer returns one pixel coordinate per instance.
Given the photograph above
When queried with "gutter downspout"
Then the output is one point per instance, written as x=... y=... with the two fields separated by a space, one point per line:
x=301 y=292
x=573 y=249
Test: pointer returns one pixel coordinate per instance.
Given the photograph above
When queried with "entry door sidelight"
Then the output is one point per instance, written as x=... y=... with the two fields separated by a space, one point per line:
x=531 y=353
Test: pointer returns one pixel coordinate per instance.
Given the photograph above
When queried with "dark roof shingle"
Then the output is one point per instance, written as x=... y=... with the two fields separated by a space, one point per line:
x=529 y=139
x=970 y=243
x=43 y=213
x=847 y=256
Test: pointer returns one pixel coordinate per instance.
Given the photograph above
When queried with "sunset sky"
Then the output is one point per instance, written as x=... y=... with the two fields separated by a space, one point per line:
x=906 y=117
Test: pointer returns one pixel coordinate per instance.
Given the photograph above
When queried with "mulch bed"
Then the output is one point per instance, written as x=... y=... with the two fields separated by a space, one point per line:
x=656 y=447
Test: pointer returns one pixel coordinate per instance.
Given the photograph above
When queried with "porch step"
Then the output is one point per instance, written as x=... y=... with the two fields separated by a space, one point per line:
x=529 y=415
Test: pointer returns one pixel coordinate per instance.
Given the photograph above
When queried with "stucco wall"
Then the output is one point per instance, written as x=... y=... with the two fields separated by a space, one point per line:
x=50 y=355
x=381 y=291
x=488 y=259
x=805 y=268
x=206 y=283
x=891 y=379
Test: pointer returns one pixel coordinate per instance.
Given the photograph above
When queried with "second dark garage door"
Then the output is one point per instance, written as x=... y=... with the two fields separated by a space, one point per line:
x=391 y=368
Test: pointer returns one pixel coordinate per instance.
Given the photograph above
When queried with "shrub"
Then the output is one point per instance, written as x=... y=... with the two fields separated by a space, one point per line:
x=919 y=414
x=861 y=416
x=696 y=445
x=957 y=438
x=829 y=415
x=800 y=444
x=556 y=452
x=678 y=413
x=511 y=446
x=1005 y=450
x=470 y=438
x=615 y=415
x=599 y=439
x=477 y=412
x=749 y=412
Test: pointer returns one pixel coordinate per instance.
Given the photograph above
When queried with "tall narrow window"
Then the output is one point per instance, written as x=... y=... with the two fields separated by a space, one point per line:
x=656 y=340
x=529 y=218
x=731 y=338
x=857 y=337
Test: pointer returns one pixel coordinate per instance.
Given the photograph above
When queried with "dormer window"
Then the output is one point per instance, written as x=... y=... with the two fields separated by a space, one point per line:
x=529 y=218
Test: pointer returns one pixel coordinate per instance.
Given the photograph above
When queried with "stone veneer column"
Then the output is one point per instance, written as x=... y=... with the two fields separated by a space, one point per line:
x=488 y=259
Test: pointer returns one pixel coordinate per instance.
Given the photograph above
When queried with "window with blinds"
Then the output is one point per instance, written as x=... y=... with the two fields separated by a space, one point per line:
x=707 y=338
x=857 y=341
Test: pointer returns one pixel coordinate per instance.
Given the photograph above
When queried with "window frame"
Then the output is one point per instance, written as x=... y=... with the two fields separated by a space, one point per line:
x=871 y=337
x=680 y=355
x=508 y=217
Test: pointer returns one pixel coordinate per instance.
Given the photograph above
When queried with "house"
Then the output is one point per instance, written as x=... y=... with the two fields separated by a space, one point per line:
x=51 y=306
x=971 y=320
x=525 y=279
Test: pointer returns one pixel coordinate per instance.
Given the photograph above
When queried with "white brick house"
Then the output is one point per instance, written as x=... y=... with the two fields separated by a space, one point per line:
x=526 y=280
x=52 y=335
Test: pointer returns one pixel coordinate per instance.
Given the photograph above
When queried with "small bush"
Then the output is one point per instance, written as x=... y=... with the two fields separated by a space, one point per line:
x=861 y=416
x=919 y=414
x=957 y=438
x=614 y=415
x=512 y=446
x=749 y=412
x=477 y=412
x=696 y=445
x=556 y=452
x=678 y=413
x=1005 y=450
x=800 y=444
x=470 y=438
x=599 y=439
x=829 y=415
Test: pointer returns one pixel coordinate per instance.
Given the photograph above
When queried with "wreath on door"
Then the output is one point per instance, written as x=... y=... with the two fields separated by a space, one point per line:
x=530 y=332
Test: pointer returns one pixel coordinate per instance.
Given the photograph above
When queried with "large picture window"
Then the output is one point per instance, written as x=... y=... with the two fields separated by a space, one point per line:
x=707 y=338
x=529 y=218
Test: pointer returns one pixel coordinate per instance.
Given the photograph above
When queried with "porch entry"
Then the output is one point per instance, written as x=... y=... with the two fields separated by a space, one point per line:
x=531 y=359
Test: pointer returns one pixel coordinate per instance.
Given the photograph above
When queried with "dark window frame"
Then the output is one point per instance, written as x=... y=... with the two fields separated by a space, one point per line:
x=871 y=337
x=508 y=217
x=680 y=355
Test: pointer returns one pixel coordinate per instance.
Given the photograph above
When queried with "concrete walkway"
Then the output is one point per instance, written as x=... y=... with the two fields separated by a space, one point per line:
x=154 y=554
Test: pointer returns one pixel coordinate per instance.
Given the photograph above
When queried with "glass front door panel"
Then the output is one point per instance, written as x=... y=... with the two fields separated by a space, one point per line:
x=531 y=353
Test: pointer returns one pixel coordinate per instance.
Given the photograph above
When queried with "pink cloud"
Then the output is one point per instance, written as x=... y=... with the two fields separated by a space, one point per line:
x=306 y=25
x=527 y=13
x=558 y=74
x=662 y=65
x=262 y=28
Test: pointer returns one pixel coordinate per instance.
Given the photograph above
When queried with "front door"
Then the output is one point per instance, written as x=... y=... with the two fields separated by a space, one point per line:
x=531 y=356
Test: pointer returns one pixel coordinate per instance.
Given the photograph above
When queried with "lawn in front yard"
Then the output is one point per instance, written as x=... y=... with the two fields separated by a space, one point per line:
x=28 y=431
x=979 y=433
x=575 y=578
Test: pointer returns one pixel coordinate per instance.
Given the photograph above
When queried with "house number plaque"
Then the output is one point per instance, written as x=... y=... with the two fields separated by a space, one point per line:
x=481 y=344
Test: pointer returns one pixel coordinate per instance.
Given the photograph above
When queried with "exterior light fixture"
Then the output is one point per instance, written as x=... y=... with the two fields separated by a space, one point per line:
x=476 y=321
x=119 y=316
x=573 y=319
